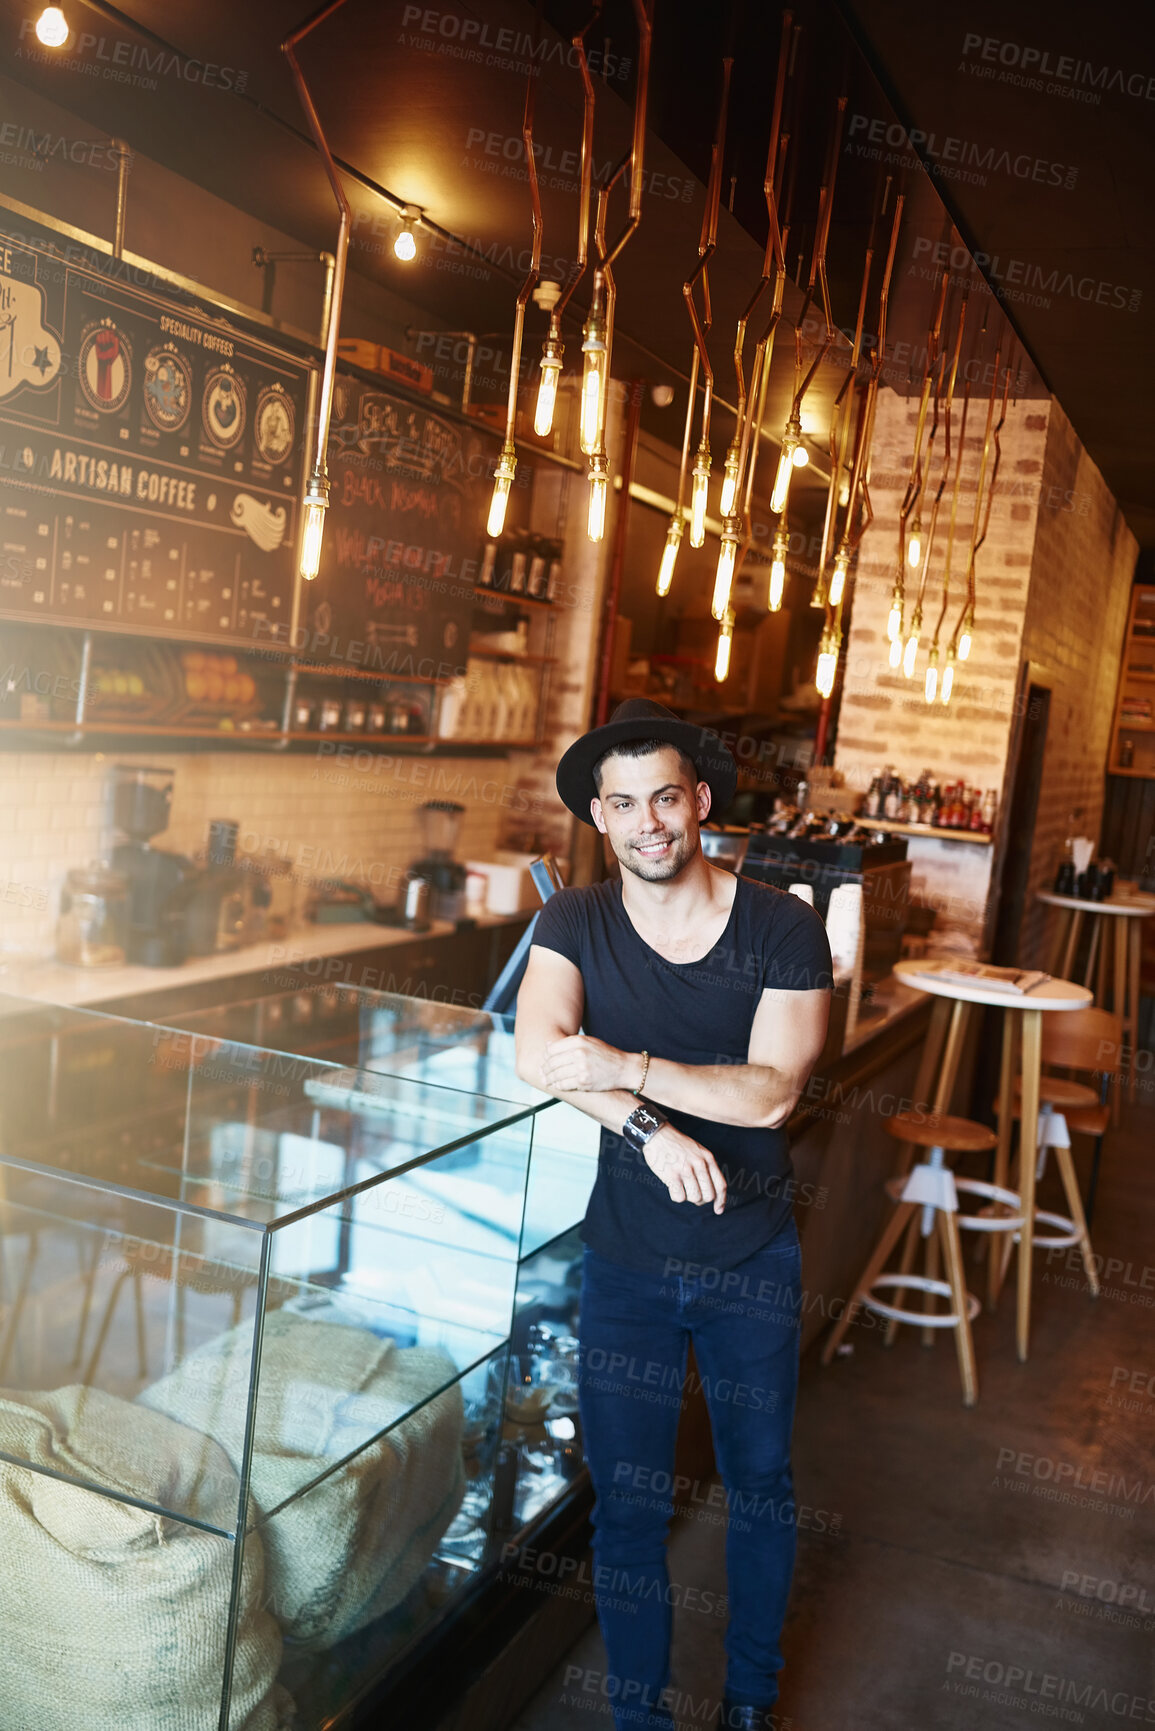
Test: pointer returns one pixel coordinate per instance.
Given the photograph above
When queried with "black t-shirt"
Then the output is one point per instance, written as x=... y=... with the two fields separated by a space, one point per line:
x=690 y=1013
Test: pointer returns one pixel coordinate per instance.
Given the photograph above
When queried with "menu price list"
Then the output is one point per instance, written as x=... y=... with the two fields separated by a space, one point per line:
x=150 y=455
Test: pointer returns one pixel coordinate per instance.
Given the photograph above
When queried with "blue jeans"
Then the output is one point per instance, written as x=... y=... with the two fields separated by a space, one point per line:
x=635 y=1329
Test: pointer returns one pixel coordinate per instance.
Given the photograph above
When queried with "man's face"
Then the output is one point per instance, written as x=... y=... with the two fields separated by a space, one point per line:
x=651 y=807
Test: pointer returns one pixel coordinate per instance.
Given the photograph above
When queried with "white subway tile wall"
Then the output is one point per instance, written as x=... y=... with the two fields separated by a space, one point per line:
x=351 y=817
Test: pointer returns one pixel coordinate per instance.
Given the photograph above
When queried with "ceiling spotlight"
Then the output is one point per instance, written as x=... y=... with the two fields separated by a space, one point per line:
x=405 y=246
x=52 y=27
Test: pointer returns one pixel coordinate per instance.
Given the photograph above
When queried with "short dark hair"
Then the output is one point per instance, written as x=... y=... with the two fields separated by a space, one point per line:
x=645 y=748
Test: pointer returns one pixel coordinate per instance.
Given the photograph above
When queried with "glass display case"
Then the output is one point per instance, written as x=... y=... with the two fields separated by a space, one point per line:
x=288 y=1305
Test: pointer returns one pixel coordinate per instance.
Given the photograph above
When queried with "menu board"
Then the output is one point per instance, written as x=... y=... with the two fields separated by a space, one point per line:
x=409 y=492
x=151 y=455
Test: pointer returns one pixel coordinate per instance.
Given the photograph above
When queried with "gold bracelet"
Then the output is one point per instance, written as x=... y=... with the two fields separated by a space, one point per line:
x=637 y=1092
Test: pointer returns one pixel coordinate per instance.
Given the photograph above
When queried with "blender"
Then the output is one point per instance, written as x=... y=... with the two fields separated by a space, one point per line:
x=159 y=883
x=440 y=821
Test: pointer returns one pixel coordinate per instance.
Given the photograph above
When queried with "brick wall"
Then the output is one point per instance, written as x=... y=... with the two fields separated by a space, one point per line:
x=884 y=718
x=1081 y=575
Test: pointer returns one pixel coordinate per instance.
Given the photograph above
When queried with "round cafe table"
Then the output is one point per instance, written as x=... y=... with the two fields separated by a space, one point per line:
x=1023 y=1017
x=1124 y=914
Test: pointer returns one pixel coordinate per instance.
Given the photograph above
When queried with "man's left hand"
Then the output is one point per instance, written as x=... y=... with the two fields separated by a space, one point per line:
x=581 y=1064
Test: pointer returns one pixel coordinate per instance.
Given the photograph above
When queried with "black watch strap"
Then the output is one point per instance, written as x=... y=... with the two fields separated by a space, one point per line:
x=642 y=1123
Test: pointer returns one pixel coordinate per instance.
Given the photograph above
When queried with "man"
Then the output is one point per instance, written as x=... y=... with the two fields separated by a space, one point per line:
x=705 y=999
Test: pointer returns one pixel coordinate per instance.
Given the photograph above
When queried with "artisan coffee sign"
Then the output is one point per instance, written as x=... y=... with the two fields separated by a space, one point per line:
x=150 y=456
x=403 y=541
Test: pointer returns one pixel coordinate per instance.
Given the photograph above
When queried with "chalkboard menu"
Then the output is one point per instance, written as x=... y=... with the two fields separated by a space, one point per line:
x=404 y=538
x=151 y=456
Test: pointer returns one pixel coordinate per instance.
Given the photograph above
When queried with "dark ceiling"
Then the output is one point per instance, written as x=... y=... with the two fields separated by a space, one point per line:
x=424 y=104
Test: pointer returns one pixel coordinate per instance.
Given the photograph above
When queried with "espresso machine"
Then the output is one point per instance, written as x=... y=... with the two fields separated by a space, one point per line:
x=440 y=821
x=159 y=883
x=227 y=903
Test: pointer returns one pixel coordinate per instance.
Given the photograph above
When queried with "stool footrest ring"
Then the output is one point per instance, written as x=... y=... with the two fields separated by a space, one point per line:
x=1068 y=1232
x=917 y=1283
x=986 y=1220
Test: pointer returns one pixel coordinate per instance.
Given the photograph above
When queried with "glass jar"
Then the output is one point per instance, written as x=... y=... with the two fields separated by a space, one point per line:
x=93 y=918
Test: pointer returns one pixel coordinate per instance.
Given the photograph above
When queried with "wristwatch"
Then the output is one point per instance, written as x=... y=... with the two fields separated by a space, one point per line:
x=642 y=1123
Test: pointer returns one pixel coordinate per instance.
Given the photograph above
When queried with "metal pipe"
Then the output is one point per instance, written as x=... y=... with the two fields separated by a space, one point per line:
x=268 y=261
x=123 y=160
x=707 y=246
x=586 y=176
x=534 y=270
x=618 y=557
x=341 y=251
x=859 y=482
x=774 y=253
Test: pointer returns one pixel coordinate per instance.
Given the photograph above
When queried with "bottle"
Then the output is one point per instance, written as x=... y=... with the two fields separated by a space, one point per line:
x=519 y=564
x=1126 y=753
x=536 y=580
x=976 y=811
x=488 y=563
x=990 y=808
x=891 y=796
x=873 y=802
x=553 y=583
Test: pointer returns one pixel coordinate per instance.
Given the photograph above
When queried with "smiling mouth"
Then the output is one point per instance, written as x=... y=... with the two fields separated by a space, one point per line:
x=654 y=847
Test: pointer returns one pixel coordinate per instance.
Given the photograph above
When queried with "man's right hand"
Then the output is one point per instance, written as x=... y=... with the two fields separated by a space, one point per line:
x=689 y=1171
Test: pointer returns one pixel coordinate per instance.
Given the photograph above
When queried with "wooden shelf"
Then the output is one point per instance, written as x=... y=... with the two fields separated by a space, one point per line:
x=491 y=744
x=931 y=831
x=365 y=738
x=1140 y=640
x=512 y=655
x=375 y=675
x=152 y=730
x=510 y=597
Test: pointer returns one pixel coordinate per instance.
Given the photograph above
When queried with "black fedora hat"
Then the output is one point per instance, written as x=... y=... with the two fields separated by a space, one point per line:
x=642 y=718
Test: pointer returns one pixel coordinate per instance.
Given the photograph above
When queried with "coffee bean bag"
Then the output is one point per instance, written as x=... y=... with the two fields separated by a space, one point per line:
x=113 y=1618
x=343 y=1543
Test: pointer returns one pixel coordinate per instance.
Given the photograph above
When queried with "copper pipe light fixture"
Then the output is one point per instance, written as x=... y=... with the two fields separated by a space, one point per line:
x=553 y=349
x=507 y=461
x=315 y=501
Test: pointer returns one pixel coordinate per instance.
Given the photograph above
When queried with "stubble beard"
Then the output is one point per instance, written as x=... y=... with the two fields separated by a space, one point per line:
x=682 y=850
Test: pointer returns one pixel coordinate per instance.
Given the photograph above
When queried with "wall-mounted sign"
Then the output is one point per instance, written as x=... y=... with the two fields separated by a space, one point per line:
x=150 y=455
x=409 y=489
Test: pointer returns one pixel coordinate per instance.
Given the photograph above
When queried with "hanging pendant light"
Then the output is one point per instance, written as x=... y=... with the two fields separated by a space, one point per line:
x=725 y=639
x=699 y=496
x=593 y=375
x=791 y=442
x=502 y=482
x=551 y=360
x=724 y=574
x=838 y=577
x=730 y=479
x=596 y=513
x=670 y=553
x=778 y=570
x=827 y=663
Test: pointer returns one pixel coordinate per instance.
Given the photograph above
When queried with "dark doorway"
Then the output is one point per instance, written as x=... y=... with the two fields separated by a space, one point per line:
x=1020 y=825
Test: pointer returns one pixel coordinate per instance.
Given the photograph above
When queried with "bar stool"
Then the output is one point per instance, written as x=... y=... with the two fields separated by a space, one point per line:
x=1081 y=1042
x=1060 y=1098
x=1115 y=925
x=929 y=1192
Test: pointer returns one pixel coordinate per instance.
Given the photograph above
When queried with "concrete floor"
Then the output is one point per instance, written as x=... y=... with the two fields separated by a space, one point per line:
x=941 y=1583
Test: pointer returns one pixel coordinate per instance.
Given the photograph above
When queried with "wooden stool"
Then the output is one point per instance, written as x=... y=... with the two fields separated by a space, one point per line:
x=1091 y=1042
x=926 y=1193
x=1062 y=1230
x=1117 y=927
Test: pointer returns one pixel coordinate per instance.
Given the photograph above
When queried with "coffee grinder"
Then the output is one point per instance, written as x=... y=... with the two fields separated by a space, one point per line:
x=440 y=821
x=159 y=883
